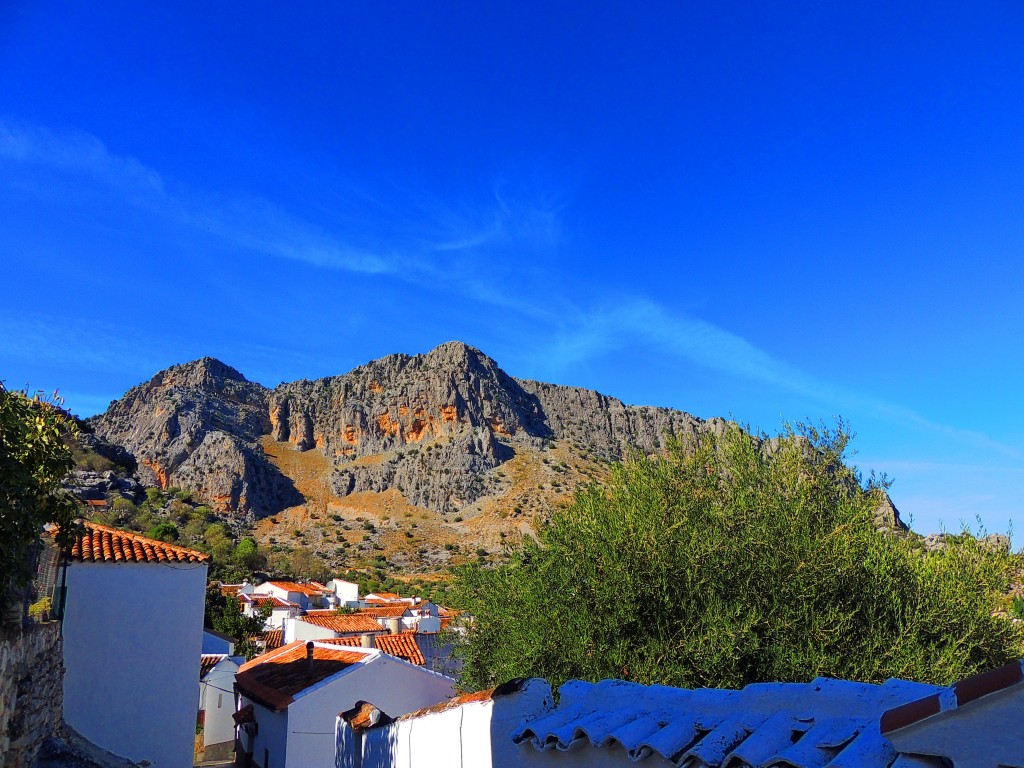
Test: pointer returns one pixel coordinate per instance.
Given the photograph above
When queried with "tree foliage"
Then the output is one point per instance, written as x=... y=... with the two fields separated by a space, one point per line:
x=34 y=459
x=731 y=560
x=224 y=614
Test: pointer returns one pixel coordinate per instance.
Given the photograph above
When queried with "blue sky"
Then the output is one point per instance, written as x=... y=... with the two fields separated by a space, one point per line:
x=775 y=211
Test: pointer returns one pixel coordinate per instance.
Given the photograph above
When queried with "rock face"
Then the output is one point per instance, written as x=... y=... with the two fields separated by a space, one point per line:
x=197 y=426
x=466 y=414
x=435 y=427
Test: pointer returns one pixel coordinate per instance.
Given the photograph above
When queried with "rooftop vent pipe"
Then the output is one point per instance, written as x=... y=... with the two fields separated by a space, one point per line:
x=309 y=658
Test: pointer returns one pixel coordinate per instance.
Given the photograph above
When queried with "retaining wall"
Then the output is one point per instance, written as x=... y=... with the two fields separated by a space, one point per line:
x=31 y=691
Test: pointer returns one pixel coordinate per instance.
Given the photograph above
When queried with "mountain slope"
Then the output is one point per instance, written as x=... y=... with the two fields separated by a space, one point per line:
x=419 y=459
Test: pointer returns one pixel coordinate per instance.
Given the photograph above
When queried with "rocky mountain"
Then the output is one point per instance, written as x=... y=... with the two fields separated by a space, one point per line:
x=416 y=457
x=197 y=426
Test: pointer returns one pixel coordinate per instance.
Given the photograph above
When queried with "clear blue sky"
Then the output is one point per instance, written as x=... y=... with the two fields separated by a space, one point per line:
x=766 y=210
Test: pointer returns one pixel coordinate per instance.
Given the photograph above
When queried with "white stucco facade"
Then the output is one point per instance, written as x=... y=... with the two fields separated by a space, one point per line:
x=217 y=702
x=303 y=736
x=475 y=734
x=133 y=634
x=347 y=592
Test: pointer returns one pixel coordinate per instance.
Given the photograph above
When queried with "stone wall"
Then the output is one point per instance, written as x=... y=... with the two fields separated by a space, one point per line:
x=31 y=691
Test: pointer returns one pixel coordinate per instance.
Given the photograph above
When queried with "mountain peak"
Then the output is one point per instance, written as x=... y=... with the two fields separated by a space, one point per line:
x=206 y=372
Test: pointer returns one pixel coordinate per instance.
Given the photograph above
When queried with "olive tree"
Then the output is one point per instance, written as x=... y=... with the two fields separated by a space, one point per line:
x=34 y=459
x=735 y=559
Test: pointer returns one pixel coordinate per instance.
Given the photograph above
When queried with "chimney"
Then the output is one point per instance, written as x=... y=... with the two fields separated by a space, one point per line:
x=309 y=658
x=394 y=625
x=366 y=641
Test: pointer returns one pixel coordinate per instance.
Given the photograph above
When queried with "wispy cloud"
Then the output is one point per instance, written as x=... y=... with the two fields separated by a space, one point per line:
x=77 y=153
x=420 y=243
x=485 y=251
x=638 y=322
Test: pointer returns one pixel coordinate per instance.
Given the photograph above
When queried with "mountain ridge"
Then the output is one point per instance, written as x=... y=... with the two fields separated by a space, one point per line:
x=414 y=456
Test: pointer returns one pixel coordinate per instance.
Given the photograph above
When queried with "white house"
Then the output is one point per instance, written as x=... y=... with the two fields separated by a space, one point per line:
x=346 y=592
x=217 y=704
x=290 y=698
x=304 y=594
x=899 y=724
x=279 y=609
x=321 y=625
x=133 y=633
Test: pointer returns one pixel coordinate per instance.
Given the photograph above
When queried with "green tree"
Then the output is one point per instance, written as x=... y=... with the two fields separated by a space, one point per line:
x=164 y=532
x=34 y=459
x=225 y=615
x=730 y=560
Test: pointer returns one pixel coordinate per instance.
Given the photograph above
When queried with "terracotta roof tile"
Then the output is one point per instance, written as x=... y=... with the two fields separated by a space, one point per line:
x=310 y=589
x=343 y=622
x=261 y=600
x=274 y=678
x=208 y=661
x=388 y=610
x=351 y=642
x=102 y=544
x=403 y=646
x=273 y=638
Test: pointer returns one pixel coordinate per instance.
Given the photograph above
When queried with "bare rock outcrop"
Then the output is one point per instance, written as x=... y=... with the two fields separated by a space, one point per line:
x=197 y=426
x=436 y=427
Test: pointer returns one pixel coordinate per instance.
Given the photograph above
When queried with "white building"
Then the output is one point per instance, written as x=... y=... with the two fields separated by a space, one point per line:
x=133 y=633
x=306 y=595
x=290 y=698
x=616 y=724
x=217 y=704
x=346 y=592
x=280 y=610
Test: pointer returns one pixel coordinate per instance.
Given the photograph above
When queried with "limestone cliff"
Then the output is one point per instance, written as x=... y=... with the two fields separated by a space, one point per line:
x=197 y=426
x=448 y=431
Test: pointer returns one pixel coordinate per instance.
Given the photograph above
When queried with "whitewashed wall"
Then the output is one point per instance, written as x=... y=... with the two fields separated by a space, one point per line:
x=390 y=683
x=132 y=639
x=271 y=739
x=471 y=734
x=218 y=701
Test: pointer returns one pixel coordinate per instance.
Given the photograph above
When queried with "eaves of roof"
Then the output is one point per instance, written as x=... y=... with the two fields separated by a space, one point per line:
x=278 y=677
x=103 y=544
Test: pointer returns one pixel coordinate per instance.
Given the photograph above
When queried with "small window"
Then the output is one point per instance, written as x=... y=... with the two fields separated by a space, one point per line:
x=220 y=700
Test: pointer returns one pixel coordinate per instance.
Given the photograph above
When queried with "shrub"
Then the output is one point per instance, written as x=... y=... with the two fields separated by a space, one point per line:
x=733 y=560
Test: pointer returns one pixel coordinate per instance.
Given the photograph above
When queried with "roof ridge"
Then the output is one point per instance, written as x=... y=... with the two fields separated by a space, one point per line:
x=89 y=528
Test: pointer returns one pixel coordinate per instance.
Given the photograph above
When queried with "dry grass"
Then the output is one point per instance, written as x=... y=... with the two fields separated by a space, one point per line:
x=369 y=525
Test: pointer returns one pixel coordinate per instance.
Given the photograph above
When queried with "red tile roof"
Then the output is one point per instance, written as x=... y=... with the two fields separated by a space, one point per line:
x=262 y=600
x=273 y=638
x=274 y=678
x=403 y=646
x=310 y=589
x=388 y=610
x=344 y=622
x=351 y=642
x=208 y=661
x=102 y=544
